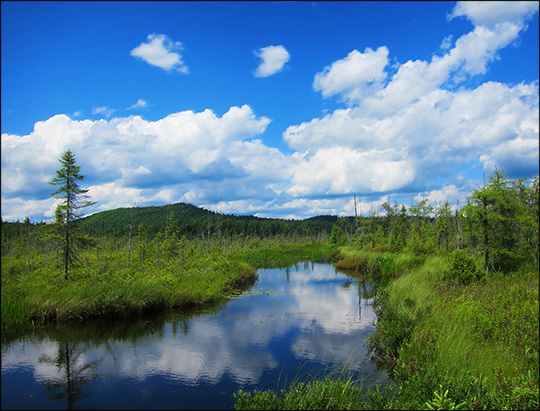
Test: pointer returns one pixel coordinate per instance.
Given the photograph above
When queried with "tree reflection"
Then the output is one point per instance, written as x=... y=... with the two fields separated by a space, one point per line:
x=366 y=292
x=73 y=373
x=347 y=283
x=184 y=325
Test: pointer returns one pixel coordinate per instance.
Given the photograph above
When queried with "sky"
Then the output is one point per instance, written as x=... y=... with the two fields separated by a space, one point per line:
x=273 y=109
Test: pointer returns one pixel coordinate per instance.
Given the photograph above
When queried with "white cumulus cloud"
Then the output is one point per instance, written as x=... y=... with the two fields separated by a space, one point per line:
x=273 y=58
x=340 y=170
x=354 y=75
x=139 y=104
x=491 y=13
x=161 y=52
x=106 y=111
x=415 y=126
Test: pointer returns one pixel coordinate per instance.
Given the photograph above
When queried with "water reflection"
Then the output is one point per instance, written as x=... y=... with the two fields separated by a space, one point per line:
x=72 y=373
x=307 y=317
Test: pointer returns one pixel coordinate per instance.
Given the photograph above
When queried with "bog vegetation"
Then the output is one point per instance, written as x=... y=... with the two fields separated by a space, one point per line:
x=458 y=311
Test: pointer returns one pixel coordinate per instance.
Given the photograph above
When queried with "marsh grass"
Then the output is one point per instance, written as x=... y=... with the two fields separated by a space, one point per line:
x=283 y=255
x=108 y=288
x=15 y=310
x=335 y=391
x=381 y=264
x=478 y=339
x=328 y=388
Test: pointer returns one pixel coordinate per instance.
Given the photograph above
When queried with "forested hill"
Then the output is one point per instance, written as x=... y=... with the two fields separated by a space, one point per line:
x=148 y=216
x=193 y=221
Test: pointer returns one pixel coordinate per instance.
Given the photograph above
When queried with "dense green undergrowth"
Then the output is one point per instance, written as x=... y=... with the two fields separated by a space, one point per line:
x=107 y=287
x=450 y=339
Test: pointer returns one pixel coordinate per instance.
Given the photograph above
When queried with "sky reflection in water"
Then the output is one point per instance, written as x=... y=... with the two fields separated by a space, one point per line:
x=293 y=324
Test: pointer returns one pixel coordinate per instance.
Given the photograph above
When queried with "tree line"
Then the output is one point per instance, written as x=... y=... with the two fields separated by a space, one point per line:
x=499 y=222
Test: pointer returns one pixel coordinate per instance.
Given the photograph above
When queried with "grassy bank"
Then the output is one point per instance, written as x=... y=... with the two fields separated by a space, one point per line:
x=43 y=296
x=446 y=342
x=107 y=287
x=475 y=343
x=275 y=255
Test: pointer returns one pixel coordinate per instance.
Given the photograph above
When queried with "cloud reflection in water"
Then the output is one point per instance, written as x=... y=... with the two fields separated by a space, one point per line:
x=308 y=314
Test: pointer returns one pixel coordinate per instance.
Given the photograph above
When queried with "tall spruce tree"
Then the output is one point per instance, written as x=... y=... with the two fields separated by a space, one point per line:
x=500 y=219
x=72 y=200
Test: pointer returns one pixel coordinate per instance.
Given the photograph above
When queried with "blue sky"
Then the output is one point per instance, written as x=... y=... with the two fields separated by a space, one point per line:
x=277 y=109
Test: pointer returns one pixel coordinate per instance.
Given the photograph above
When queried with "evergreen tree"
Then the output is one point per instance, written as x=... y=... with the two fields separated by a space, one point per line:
x=337 y=236
x=72 y=200
x=443 y=226
x=397 y=241
x=498 y=215
x=534 y=216
x=142 y=243
x=391 y=214
x=170 y=243
x=372 y=224
x=527 y=194
x=421 y=239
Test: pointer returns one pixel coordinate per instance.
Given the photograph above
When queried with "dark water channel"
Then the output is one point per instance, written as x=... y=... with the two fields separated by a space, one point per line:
x=293 y=325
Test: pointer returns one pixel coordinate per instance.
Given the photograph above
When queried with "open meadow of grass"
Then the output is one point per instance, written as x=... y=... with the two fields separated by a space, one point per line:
x=108 y=287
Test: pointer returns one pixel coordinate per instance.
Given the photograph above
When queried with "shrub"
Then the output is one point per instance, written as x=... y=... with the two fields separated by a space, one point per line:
x=462 y=267
x=359 y=264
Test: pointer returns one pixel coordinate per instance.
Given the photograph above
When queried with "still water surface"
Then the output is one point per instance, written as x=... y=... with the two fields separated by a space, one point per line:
x=295 y=324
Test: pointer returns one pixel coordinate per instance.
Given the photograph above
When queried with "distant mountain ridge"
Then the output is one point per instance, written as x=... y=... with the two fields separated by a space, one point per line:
x=149 y=216
x=127 y=215
x=155 y=218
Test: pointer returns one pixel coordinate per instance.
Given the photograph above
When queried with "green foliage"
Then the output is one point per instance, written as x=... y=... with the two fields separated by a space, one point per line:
x=453 y=346
x=282 y=254
x=462 y=268
x=502 y=313
x=72 y=200
x=337 y=236
x=194 y=222
x=15 y=310
x=422 y=242
x=329 y=394
x=394 y=329
x=188 y=273
x=442 y=401
x=390 y=265
x=444 y=227
x=501 y=217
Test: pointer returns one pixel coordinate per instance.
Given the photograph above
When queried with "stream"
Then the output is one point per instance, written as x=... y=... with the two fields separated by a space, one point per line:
x=294 y=324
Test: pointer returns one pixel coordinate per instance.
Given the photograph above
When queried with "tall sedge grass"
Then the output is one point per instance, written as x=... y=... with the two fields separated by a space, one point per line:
x=459 y=351
x=108 y=288
x=481 y=337
x=132 y=294
x=385 y=265
x=330 y=393
x=448 y=324
x=283 y=255
x=15 y=311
